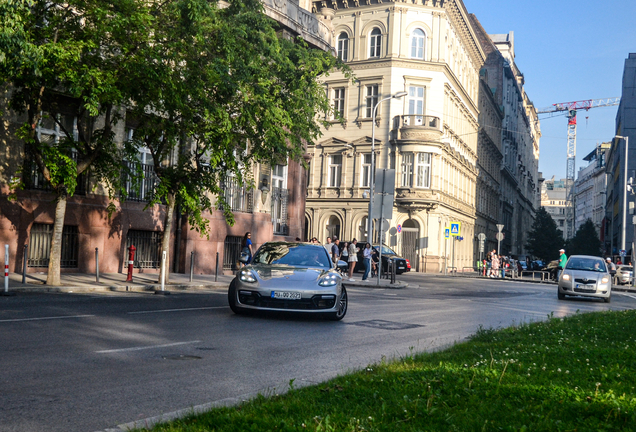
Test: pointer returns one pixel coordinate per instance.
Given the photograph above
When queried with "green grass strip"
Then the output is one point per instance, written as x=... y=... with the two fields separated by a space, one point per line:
x=571 y=374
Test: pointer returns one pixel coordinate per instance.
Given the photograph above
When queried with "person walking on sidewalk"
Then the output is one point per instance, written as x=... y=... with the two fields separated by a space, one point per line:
x=335 y=250
x=344 y=254
x=366 y=255
x=353 y=258
x=563 y=259
x=494 y=265
x=246 y=246
x=327 y=247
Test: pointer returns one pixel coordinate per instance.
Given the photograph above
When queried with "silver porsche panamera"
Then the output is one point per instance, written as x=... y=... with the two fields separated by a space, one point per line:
x=292 y=277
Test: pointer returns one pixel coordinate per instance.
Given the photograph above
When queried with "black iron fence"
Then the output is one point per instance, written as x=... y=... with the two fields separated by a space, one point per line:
x=34 y=179
x=231 y=252
x=148 y=248
x=139 y=188
x=238 y=198
x=40 y=246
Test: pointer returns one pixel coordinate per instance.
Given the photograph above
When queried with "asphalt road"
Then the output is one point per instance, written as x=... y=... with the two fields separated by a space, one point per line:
x=91 y=362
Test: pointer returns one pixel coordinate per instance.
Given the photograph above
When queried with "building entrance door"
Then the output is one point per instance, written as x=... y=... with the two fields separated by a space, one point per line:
x=410 y=234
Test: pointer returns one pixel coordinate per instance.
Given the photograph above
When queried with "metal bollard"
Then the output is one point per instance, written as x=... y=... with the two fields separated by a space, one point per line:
x=216 y=271
x=6 y=268
x=97 y=265
x=163 y=271
x=191 y=265
x=393 y=270
x=24 y=264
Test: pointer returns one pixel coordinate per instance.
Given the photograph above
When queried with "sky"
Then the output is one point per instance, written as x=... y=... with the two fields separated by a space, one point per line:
x=568 y=51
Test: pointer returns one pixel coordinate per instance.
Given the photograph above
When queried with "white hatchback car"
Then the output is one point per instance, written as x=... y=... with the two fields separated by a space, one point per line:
x=586 y=276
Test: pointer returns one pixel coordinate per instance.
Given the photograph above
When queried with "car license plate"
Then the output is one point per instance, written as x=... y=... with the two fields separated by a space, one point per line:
x=585 y=288
x=286 y=295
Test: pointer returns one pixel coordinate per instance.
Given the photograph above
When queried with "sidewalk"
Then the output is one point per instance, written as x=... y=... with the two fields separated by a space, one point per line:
x=145 y=282
x=528 y=279
x=78 y=282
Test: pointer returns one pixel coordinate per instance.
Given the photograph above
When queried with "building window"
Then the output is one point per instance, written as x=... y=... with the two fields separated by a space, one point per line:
x=365 y=172
x=407 y=170
x=375 y=43
x=279 y=176
x=140 y=189
x=419 y=177
x=423 y=170
x=343 y=46
x=372 y=99
x=339 y=103
x=51 y=130
x=335 y=170
x=416 y=103
x=417 y=44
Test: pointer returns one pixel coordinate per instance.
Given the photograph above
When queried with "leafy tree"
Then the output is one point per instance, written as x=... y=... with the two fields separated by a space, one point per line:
x=544 y=238
x=212 y=89
x=70 y=59
x=220 y=91
x=586 y=241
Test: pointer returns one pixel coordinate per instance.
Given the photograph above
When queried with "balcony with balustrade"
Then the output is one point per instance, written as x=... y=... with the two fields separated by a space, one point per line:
x=417 y=127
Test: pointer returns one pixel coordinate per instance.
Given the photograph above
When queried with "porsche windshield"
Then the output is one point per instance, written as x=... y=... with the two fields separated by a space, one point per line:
x=293 y=254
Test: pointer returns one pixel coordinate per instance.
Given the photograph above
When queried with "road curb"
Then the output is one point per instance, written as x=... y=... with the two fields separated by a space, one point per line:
x=117 y=288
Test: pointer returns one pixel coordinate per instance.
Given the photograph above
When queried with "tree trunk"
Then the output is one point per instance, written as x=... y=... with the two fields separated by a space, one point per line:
x=165 y=239
x=55 y=254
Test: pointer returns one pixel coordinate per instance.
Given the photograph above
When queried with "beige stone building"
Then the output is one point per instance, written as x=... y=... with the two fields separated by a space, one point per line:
x=429 y=50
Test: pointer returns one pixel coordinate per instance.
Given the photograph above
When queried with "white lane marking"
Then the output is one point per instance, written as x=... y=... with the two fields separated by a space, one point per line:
x=623 y=294
x=177 y=310
x=46 y=318
x=145 y=347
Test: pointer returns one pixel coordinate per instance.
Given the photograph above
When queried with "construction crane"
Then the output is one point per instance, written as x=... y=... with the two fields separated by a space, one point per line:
x=570 y=109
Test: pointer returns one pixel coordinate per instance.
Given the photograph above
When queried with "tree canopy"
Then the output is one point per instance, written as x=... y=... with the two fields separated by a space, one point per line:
x=586 y=241
x=544 y=238
x=211 y=90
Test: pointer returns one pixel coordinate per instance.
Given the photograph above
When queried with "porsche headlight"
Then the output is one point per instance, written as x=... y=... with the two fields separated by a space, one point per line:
x=247 y=276
x=329 y=280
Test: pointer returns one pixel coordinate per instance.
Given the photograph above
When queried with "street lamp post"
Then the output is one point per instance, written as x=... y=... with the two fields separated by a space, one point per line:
x=372 y=176
x=624 y=227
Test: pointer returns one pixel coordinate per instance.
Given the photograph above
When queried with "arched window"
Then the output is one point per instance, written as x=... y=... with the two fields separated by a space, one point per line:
x=417 y=44
x=375 y=43
x=343 y=46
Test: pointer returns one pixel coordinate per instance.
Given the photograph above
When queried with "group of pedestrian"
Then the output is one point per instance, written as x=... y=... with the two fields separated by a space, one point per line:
x=495 y=265
x=347 y=252
x=337 y=250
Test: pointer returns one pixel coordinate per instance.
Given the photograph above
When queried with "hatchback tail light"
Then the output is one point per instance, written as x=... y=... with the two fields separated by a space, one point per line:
x=408 y=264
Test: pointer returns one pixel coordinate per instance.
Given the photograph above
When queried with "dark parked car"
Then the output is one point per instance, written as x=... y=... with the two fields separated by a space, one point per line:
x=537 y=265
x=402 y=265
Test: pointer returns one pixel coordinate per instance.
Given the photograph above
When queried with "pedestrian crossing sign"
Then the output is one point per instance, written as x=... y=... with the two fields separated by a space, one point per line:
x=455 y=228
x=446 y=232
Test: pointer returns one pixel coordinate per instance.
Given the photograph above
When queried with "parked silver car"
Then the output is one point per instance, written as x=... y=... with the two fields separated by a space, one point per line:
x=586 y=276
x=293 y=277
x=624 y=274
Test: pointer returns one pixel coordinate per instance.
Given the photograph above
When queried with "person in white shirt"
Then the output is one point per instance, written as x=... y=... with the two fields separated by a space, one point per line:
x=366 y=254
x=353 y=258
